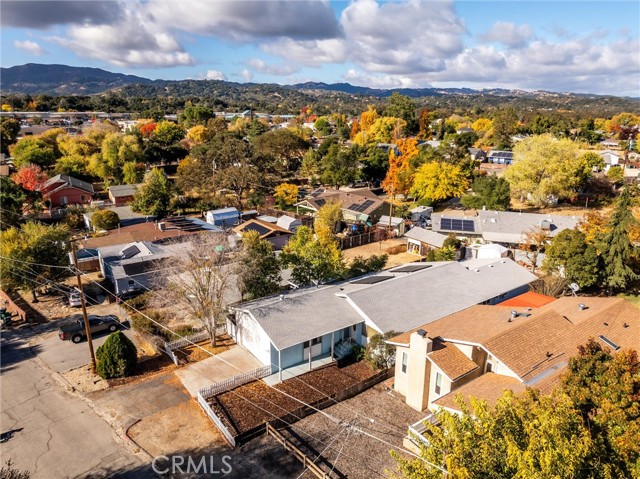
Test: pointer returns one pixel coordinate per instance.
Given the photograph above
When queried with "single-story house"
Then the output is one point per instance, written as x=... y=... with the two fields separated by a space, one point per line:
x=134 y=266
x=500 y=156
x=289 y=223
x=397 y=224
x=420 y=240
x=610 y=143
x=122 y=194
x=273 y=233
x=477 y=154
x=357 y=206
x=482 y=350
x=62 y=190
x=504 y=227
x=224 y=217
x=312 y=323
x=610 y=158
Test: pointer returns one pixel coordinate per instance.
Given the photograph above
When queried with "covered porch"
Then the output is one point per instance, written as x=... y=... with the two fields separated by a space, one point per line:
x=298 y=369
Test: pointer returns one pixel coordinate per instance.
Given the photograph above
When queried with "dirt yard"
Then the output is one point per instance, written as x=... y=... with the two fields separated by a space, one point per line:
x=255 y=403
x=192 y=354
x=350 y=453
x=379 y=248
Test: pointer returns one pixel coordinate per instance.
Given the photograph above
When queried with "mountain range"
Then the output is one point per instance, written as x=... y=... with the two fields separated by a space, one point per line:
x=34 y=78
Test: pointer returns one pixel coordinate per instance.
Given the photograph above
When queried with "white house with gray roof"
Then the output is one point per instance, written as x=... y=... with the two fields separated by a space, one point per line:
x=505 y=227
x=322 y=322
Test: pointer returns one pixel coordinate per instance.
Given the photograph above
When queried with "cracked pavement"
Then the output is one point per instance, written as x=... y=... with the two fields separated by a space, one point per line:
x=61 y=436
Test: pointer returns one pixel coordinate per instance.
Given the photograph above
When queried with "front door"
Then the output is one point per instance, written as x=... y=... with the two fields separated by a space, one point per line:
x=315 y=347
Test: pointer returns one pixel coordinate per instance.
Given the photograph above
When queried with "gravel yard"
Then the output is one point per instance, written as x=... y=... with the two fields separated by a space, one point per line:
x=349 y=453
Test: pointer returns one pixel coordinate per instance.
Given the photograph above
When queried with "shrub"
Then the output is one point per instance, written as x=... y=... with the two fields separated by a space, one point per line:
x=145 y=325
x=378 y=353
x=360 y=265
x=117 y=357
x=105 y=220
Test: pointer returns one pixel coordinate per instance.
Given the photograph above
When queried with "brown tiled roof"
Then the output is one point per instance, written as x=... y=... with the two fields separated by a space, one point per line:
x=451 y=361
x=130 y=234
x=488 y=387
x=474 y=325
x=556 y=330
x=530 y=299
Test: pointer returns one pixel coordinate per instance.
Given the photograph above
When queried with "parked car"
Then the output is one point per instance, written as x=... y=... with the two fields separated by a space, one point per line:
x=73 y=328
x=75 y=298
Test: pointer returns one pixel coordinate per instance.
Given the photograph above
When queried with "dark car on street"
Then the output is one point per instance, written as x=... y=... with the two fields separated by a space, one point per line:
x=73 y=328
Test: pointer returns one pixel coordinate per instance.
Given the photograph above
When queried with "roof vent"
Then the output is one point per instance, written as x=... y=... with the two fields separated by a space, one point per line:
x=422 y=333
x=626 y=325
x=477 y=270
x=582 y=306
x=281 y=297
x=549 y=354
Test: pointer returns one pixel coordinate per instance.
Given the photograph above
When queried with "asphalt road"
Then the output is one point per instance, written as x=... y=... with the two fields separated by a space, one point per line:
x=62 y=356
x=55 y=434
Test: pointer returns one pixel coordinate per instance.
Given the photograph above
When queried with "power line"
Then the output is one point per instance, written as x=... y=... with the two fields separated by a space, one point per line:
x=328 y=416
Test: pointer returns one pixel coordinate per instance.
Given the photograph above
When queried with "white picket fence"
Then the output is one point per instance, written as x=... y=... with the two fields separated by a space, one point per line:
x=171 y=346
x=216 y=420
x=234 y=382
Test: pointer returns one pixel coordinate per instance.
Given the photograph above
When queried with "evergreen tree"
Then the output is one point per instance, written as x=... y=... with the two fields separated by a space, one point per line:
x=258 y=268
x=617 y=251
x=571 y=256
x=117 y=357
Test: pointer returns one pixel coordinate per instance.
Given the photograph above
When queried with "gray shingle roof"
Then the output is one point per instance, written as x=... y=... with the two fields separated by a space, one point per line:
x=404 y=303
x=511 y=227
x=401 y=303
x=119 y=191
x=302 y=315
x=71 y=181
x=426 y=236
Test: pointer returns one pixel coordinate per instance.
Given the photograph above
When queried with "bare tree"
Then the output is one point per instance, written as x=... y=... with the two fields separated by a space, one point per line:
x=199 y=277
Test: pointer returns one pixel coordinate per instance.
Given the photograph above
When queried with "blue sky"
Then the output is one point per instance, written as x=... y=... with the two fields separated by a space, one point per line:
x=578 y=46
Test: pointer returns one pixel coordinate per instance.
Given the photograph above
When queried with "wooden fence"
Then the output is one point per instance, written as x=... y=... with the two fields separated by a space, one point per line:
x=234 y=382
x=216 y=420
x=358 y=240
x=307 y=463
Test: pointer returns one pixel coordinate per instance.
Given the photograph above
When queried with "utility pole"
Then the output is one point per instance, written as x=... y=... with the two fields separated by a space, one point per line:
x=390 y=212
x=87 y=328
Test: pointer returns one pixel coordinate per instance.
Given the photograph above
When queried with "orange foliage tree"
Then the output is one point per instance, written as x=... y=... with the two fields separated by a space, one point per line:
x=30 y=177
x=399 y=176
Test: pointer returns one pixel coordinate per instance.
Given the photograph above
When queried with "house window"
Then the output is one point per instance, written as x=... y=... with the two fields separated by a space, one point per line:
x=81 y=197
x=305 y=345
x=132 y=283
x=316 y=341
x=405 y=359
x=438 y=383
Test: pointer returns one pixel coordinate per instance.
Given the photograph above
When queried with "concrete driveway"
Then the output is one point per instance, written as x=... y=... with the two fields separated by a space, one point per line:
x=62 y=356
x=214 y=369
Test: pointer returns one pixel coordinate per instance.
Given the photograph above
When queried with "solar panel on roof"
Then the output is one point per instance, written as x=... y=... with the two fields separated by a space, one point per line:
x=371 y=280
x=321 y=202
x=410 y=268
x=455 y=224
x=256 y=227
x=361 y=207
x=138 y=268
x=129 y=252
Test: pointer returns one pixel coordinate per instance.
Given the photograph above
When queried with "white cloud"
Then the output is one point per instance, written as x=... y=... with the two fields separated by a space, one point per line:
x=246 y=75
x=134 y=41
x=381 y=81
x=30 y=47
x=509 y=34
x=214 y=75
x=263 y=67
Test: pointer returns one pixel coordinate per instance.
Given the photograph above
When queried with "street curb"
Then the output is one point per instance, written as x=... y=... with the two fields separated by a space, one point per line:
x=128 y=438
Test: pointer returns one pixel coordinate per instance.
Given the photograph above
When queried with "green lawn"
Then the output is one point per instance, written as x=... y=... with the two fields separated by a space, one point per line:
x=632 y=298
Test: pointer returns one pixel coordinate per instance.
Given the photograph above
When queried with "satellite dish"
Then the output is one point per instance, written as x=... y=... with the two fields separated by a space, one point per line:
x=574 y=288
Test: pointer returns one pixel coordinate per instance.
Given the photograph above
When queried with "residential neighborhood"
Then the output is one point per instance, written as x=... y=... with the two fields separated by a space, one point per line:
x=319 y=240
